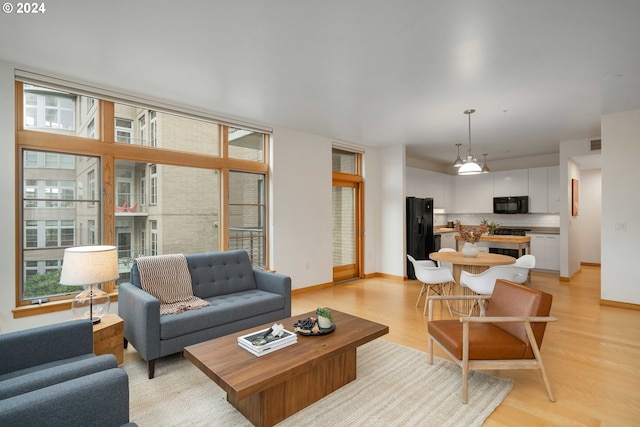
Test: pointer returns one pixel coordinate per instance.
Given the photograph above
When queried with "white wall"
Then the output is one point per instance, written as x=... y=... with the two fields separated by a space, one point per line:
x=589 y=220
x=7 y=193
x=301 y=223
x=301 y=232
x=620 y=204
x=569 y=230
x=392 y=211
x=372 y=219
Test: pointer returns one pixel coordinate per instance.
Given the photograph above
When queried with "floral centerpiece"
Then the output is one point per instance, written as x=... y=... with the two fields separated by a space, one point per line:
x=471 y=235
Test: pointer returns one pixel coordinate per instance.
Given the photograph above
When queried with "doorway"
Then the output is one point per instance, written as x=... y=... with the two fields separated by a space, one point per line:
x=347 y=216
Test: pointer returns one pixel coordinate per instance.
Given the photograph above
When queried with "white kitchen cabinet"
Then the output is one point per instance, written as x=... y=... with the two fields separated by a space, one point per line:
x=553 y=189
x=544 y=194
x=448 y=240
x=546 y=249
x=538 y=192
x=511 y=183
x=473 y=193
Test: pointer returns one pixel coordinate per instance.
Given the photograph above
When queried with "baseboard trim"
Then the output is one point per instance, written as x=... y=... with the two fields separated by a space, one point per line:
x=568 y=279
x=384 y=276
x=618 y=304
x=591 y=264
x=311 y=288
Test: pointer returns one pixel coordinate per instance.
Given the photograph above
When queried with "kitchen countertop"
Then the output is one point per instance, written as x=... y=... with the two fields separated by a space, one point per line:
x=530 y=230
x=443 y=230
x=543 y=230
x=503 y=239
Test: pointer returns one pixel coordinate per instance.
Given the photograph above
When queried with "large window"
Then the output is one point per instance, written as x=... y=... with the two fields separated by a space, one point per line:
x=153 y=188
x=55 y=216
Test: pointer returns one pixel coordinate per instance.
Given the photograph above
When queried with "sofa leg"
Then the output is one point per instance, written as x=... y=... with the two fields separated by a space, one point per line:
x=126 y=343
x=152 y=368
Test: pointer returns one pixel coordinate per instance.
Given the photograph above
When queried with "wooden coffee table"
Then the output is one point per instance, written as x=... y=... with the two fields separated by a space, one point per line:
x=272 y=387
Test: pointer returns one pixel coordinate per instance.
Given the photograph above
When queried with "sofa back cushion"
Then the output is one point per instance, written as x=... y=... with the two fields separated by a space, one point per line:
x=220 y=273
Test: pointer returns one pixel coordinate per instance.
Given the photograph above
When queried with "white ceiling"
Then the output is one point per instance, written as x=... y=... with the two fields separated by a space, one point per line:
x=375 y=73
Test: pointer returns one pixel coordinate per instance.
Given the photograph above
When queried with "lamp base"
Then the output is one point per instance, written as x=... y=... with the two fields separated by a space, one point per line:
x=92 y=303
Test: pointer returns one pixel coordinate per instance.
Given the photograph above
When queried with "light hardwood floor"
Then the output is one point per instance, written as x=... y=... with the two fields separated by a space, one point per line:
x=592 y=354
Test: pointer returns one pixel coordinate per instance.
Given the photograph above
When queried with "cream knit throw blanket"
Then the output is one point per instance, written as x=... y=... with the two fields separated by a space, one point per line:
x=167 y=278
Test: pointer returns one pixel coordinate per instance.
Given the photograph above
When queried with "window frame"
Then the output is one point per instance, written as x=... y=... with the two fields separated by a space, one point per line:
x=106 y=147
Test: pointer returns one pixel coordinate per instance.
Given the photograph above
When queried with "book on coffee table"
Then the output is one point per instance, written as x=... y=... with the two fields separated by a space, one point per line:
x=258 y=344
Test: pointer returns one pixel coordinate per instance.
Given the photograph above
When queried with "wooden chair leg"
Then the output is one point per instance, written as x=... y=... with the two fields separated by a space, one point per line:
x=465 y=362
x=420 y=295
x=426 y=300
x=538 y=356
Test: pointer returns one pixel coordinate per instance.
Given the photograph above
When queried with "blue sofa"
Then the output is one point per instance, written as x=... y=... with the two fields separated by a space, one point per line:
x=50 y=376
x=240 y=297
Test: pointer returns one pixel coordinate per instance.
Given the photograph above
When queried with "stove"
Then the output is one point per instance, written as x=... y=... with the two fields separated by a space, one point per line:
x=503 y=231
x=511 y=231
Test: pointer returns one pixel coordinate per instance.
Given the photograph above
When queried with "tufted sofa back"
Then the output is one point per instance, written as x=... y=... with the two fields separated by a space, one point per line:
x=215 y=273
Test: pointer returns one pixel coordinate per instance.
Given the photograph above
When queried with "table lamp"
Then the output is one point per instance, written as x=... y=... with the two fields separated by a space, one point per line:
x=90 y=266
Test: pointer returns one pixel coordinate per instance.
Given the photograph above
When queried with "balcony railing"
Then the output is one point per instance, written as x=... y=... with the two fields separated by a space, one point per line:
x=251 y=240
x=130 y=203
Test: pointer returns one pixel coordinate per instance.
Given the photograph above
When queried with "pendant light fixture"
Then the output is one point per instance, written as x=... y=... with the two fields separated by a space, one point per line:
x=470 y=166
x=458 y=161
x=485 y=168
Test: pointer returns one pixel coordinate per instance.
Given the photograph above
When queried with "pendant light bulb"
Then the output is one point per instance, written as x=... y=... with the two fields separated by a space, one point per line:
x=458 y=161
x=485 y=168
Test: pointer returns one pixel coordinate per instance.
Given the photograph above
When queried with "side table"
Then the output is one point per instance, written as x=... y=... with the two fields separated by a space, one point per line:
x=108 y=336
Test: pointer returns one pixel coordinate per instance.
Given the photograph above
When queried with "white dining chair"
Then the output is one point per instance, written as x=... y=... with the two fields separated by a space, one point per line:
x=446 y=264
x=484 y=282
x=435 y=280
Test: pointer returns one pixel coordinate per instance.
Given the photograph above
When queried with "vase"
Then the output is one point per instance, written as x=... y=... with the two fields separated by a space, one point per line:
x=470 y=249
x=324 y=322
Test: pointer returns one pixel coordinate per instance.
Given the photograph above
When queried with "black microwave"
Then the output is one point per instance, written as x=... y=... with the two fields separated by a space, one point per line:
x=511 y=205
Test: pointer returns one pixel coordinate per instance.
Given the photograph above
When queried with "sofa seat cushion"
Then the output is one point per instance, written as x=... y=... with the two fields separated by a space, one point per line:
x=222 y=310
x=486 y=341
x=61 y=371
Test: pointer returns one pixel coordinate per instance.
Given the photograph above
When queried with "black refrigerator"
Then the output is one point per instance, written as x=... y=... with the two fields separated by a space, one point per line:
x=420 y=241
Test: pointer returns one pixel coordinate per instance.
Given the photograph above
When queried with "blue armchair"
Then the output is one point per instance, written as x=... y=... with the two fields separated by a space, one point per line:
x=50 y=376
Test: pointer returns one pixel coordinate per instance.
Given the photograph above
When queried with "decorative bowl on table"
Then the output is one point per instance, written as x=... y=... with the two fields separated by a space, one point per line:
x=310 y=327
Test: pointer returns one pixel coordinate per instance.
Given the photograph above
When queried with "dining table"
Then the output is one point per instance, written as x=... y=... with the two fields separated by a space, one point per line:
x=474 y=265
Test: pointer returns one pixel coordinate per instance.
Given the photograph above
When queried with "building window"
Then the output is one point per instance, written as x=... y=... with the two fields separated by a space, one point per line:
x=153 y=176
x=124 y=130
x=154 y=237
x=142 y=129
x=154 y=128
x=91 y=129
x=91 y=185
x=143 y=188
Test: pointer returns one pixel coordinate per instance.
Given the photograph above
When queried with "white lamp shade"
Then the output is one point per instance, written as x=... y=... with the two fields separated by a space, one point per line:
x=86 y=265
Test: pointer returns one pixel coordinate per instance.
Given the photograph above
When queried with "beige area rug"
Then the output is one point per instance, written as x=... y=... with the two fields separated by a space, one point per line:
x=395 y=387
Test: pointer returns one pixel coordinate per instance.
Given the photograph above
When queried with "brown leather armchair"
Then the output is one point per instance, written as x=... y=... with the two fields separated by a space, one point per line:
x=507 y=337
